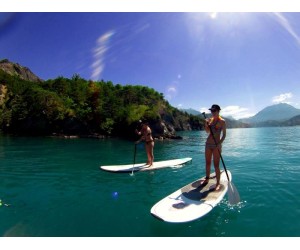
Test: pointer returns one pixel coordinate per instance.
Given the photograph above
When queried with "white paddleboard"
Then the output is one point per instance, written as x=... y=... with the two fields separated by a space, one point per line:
x=144 y=166
x=192 y=201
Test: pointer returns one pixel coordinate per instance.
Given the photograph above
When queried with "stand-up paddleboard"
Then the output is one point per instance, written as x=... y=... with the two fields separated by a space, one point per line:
x=144 y=166
x=192 y=201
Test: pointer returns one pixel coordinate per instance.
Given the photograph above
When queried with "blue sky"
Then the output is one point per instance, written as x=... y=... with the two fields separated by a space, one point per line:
x=243 y=61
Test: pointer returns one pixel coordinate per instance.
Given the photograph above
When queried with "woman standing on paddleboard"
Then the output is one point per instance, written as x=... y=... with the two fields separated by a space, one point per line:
x=146 y=135
x=215 y=126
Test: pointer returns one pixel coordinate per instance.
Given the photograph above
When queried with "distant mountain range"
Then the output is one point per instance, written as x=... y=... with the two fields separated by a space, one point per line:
x=281 y=114
x=275 y=113
x=230 y=121
x=191 y=111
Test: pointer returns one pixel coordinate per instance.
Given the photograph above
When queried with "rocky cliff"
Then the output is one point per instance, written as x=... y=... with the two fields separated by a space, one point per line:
x=16 y=69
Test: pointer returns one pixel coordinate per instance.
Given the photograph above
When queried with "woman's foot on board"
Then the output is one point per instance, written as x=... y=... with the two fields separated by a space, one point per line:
x=218 y=187
x=149 y=164
x=205 y=181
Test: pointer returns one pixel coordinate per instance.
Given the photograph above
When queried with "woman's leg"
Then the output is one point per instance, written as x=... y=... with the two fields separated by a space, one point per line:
x=208 y=157
x=147 y=153
x=216 y=156
x=149 y=150
x=151 y=155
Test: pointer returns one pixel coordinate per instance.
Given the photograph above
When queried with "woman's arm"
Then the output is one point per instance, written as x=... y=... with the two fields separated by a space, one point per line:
x=206 y=126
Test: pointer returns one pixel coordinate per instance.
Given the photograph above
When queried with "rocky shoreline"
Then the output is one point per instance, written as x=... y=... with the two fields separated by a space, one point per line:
x=99 y=136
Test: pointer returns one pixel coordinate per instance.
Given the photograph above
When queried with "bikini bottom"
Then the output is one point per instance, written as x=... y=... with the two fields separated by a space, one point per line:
x=211 y=145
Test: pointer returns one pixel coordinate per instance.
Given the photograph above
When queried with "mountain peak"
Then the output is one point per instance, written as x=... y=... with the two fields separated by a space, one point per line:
x=277 y=112
x=281 y=105
x=18 y=70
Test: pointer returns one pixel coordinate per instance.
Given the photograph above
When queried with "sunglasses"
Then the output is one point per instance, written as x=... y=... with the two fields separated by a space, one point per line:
x=213 y=110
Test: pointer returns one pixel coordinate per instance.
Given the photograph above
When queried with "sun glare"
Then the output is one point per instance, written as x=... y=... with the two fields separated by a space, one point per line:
x=226 y=20
x=230 y=25
x=213 y=15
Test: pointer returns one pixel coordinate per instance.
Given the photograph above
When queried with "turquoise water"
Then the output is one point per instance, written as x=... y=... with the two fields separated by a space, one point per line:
x=54 y=187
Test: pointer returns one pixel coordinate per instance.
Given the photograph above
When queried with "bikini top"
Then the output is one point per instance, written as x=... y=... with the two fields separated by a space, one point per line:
x=148 y=133
x=215 y=124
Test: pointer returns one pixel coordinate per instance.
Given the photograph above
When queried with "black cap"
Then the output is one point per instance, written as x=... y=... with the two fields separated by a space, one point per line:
x=215 y=107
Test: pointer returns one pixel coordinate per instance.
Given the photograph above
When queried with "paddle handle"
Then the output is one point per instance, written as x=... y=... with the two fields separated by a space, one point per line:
x=213 y=136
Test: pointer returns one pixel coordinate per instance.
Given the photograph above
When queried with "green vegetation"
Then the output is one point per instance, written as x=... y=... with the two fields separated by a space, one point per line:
x=79 y=106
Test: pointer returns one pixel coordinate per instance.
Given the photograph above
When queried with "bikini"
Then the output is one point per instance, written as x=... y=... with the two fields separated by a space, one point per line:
x=216 y=128
x=148 y=142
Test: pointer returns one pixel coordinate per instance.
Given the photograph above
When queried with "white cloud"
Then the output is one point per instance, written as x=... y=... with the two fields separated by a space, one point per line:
x=171 y=92
x=236 y=112
x=204 y=110
x=282 y=98
x=99 y=53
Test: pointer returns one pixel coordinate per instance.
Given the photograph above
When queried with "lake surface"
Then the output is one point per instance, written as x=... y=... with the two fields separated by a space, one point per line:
x=54 y=187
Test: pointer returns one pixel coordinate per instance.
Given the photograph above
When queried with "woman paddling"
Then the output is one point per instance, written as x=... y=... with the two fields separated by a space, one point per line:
x=146 y=135
x=216 y=125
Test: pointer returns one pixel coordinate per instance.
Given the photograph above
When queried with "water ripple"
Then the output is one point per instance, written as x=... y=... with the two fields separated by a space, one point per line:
x=55 y=188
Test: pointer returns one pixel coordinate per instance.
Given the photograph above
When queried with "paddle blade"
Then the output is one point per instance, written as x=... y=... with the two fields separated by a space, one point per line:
x=233 y=194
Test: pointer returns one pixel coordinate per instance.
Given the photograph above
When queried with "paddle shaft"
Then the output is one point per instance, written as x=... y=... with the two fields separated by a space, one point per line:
x=213 y=136
x=134 y=154
x=133 y=159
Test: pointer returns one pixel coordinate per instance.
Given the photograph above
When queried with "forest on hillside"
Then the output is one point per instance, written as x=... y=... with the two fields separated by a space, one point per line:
x=79 y=106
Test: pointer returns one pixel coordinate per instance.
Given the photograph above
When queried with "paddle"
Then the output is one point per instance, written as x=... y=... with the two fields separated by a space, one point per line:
x=233 y=194
x=134 y=158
